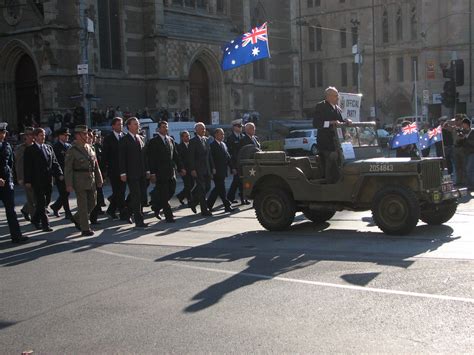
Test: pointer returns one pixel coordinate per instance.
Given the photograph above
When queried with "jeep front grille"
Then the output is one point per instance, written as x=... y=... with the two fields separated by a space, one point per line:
x=430 y=174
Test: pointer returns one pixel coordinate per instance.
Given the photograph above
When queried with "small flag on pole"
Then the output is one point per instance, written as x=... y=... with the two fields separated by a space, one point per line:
x=248 y=48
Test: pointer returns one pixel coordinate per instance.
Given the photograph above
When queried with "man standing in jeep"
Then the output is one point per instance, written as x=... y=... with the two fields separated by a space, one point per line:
x=327 y=115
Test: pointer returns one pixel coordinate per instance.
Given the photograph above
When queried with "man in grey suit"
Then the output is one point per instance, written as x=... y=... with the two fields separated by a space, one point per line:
x=202 y=168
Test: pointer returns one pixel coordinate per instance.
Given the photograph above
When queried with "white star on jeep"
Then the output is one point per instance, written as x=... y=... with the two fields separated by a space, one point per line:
x=252 y=172
x=255 y=51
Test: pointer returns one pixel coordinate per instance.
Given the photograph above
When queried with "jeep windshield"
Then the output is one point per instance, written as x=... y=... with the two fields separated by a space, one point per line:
x=358 y=134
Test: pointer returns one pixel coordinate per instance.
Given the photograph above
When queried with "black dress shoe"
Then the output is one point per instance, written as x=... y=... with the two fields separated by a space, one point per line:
x=229 y=209
x=206 y=213
x=68 y=215
x=170 y=220
x=181 y=201
x=233 y=201
x=141 y=225
x=88 y=233
x=245 y=202
x=20 y=239
x=55 y=212
x=26 y=216
x=157 y=215
x=36 y=224
x=47 y=229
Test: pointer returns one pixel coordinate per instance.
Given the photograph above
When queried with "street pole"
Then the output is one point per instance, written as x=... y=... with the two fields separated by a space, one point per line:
x=301 y=60
x=416 y=92
x=359 y=58
x=374 y=81
x=470 y=51
x=84 y=60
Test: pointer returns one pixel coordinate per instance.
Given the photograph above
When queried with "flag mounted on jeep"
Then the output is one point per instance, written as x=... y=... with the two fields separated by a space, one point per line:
x=407 y=135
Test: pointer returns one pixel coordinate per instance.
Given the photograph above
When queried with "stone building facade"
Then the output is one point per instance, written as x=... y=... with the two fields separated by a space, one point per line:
x=429 y=33
x=149 y=53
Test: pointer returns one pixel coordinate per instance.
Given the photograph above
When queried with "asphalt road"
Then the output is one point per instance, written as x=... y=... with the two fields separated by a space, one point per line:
x=224 y=285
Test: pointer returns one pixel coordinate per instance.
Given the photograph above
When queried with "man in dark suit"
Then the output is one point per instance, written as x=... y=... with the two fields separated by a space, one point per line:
x=233 y=144
x=222 y=162
x=163 y=159
x=60 y=148
x=110 y=157
x=202 y=168
x=7 y=195
x=249 y=136
x=133 y=168
x=40 y=167
x=328 y=116
x=183 y=151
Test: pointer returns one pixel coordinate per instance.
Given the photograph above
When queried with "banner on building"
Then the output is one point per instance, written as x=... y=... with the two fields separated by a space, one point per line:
x=350 y=106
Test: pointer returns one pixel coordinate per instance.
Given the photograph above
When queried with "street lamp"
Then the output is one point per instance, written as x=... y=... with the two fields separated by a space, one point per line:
x=357 y=56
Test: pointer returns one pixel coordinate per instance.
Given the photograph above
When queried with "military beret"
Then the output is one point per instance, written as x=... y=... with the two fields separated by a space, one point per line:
x=3 y=127
x=62 y=131
x=237 y=122
x=81 y=129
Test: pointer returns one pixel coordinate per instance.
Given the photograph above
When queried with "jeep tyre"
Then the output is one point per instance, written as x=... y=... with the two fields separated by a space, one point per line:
x=395 y=210
x=438 y=214
x=318 y=217
x=275 y=209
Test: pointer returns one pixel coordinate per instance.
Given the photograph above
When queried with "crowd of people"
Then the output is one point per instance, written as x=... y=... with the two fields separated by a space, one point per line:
x=125 y=159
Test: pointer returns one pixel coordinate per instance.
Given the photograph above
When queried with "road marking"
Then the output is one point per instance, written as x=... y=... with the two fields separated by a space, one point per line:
x=299 y=281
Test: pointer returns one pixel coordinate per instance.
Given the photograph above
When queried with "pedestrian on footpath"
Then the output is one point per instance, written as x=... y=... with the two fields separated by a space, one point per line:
x=83 y=176
x=7 y=195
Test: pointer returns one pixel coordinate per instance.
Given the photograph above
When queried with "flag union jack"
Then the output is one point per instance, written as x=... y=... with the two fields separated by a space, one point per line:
x=257 y=33
x=410 y=129
x=435 y=132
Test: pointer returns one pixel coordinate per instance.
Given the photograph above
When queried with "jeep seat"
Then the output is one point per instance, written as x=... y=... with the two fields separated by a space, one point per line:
x=304 y=165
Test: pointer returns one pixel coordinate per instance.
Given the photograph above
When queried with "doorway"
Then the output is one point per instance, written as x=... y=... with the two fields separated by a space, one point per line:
x=199 y=93
x=27 y=96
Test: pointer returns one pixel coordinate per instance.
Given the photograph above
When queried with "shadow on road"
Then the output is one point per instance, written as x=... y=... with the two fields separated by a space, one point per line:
x=269 y=255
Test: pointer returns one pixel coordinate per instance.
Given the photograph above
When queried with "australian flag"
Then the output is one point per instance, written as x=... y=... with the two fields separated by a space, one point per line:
x=407 y=135
x=431 y=137
x=248 y=48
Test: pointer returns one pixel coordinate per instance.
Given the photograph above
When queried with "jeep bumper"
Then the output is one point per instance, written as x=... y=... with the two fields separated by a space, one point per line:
x=438 y=196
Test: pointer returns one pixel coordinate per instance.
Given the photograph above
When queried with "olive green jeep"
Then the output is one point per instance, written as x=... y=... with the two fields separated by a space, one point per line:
x=398 y=191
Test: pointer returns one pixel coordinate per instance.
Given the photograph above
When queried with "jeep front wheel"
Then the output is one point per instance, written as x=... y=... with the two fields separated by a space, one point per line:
x=318 y=217
x=438 y=214
x=275 y=209
x=395 y=210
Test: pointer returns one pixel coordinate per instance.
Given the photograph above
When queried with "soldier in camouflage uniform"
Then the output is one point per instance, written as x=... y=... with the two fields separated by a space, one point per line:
x=82 y=175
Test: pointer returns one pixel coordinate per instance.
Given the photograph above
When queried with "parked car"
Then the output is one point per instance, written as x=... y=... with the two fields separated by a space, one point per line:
x=301 y=141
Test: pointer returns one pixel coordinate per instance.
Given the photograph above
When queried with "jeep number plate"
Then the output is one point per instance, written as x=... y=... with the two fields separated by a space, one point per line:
x=380 y=168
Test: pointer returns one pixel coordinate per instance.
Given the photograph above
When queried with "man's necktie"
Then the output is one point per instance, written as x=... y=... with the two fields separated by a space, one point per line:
x=45 y=153
x=137 y=140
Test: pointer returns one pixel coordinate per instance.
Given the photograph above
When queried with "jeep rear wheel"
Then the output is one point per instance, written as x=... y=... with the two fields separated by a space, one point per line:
x=395 y=210
x=275 y=209
x=318 y=217
x=438 y=214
